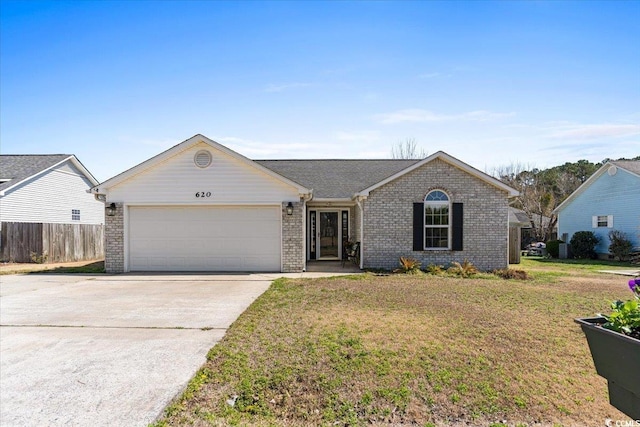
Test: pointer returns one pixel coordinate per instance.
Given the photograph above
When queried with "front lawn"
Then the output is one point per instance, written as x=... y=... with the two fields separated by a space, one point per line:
x=408 y=350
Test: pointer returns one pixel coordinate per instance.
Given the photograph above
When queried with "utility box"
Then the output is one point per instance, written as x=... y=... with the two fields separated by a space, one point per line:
x=564 y=251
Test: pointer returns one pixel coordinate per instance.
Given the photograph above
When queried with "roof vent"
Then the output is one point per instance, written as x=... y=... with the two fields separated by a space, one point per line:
x=202 y=159
x=612 y=170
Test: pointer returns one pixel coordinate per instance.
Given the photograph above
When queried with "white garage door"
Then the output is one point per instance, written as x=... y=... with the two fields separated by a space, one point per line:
x=185 y=238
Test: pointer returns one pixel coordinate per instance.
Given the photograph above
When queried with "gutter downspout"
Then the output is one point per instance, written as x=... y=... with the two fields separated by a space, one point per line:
x=304 y=198
x=359 y=200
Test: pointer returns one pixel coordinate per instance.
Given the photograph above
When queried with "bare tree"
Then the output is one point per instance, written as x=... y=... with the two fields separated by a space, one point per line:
x=535 y=199
x=407 y=149
x=541 y=191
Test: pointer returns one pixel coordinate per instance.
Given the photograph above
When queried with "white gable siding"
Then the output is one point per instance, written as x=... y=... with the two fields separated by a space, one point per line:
x=50 y=197
x=178 y=179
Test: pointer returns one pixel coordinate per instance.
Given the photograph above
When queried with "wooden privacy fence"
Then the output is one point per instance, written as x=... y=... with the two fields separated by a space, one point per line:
x=23 y=241
x=514 y=245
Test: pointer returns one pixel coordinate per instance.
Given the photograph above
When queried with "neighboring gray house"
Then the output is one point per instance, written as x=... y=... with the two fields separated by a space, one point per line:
x=608 y=200
x=45 y=190
x=200 y=206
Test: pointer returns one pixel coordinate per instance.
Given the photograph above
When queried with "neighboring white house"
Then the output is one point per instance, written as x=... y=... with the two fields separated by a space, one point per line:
x=48 y=189
x=608 y=200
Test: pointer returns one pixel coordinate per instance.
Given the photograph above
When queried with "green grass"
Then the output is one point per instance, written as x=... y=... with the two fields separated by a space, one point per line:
x=411 y=350
x=575 y=265
x=554 y=270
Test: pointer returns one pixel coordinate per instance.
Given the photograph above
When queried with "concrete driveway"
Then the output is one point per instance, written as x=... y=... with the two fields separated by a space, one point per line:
x=80 y=350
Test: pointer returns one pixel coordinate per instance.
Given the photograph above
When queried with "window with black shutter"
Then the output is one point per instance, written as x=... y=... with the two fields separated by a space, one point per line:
x=437 y=223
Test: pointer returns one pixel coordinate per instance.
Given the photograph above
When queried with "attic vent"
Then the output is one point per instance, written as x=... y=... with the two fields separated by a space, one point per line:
x=202 y=159
x=612 y=170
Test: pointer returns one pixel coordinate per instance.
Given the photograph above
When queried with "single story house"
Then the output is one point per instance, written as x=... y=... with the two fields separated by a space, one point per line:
x=46 y=206
x=200 y=206
x=608 y=200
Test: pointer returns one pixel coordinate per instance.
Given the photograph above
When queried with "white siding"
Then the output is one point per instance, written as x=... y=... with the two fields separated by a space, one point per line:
x=50 y=197
x=178 y=179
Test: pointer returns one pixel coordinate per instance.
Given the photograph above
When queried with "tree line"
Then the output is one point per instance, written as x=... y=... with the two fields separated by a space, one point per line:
x=543 y=190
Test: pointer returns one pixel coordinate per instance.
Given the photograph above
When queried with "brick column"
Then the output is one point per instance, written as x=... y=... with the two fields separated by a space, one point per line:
x=292 y=238
x=114 y=241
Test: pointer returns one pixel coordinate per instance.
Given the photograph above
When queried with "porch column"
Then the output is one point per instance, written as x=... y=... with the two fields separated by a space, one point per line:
x=293 y=238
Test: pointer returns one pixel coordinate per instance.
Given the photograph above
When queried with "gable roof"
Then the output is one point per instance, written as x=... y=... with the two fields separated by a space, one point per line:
x=337 y=179
x=325 y=179
x=184 y=145
x=631 y=166
x=17 y=168
x=452 y=161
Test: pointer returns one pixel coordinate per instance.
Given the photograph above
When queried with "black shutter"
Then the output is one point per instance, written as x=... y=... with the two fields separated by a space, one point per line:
x=456 y=244
x=418 y=226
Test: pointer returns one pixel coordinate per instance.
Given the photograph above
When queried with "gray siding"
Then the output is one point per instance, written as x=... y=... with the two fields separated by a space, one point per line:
x=388 y=228
x=355 y=231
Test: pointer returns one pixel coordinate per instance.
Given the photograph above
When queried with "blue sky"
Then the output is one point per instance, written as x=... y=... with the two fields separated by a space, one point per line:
x=491 y=83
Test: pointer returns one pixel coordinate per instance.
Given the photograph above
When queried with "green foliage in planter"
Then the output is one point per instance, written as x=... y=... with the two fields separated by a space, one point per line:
x=625 y=317
x=553 y=248
x=620 y=246
x=583 y=244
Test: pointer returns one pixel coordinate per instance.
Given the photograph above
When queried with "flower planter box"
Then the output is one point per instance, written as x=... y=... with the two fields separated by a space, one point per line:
x=617 y=358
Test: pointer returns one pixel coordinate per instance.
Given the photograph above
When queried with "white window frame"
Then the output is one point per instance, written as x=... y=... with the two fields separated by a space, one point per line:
x=432 y=203
x=75 y=214
x=602 y=221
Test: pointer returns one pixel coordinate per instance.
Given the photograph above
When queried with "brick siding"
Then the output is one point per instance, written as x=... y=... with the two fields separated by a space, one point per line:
x=114 y=241
x=293 y=238
x=388 y=214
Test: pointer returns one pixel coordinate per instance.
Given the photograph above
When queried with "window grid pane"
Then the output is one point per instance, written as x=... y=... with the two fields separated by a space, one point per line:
x=436 y=220
x=437 y=237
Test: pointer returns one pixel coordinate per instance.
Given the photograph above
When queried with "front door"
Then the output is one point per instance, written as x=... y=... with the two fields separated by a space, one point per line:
x=329 y=237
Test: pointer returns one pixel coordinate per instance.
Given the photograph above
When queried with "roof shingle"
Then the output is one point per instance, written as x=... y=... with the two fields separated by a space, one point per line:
x=18 y=167
x=336 y=178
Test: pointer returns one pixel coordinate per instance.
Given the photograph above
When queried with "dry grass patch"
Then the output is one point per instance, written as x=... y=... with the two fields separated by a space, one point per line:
x=406 y=350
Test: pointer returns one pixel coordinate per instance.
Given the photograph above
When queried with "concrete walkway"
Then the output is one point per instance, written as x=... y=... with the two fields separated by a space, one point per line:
x=110 y=350
x=632 y=273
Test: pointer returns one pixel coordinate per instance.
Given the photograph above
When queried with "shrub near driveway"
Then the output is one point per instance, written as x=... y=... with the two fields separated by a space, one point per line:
x=406 y=350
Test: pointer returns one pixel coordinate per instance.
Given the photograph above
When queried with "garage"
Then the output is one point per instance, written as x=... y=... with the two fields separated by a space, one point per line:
x=204 y=238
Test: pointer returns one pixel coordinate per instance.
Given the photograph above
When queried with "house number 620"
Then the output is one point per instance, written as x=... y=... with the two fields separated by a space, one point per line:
x=203 y=194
